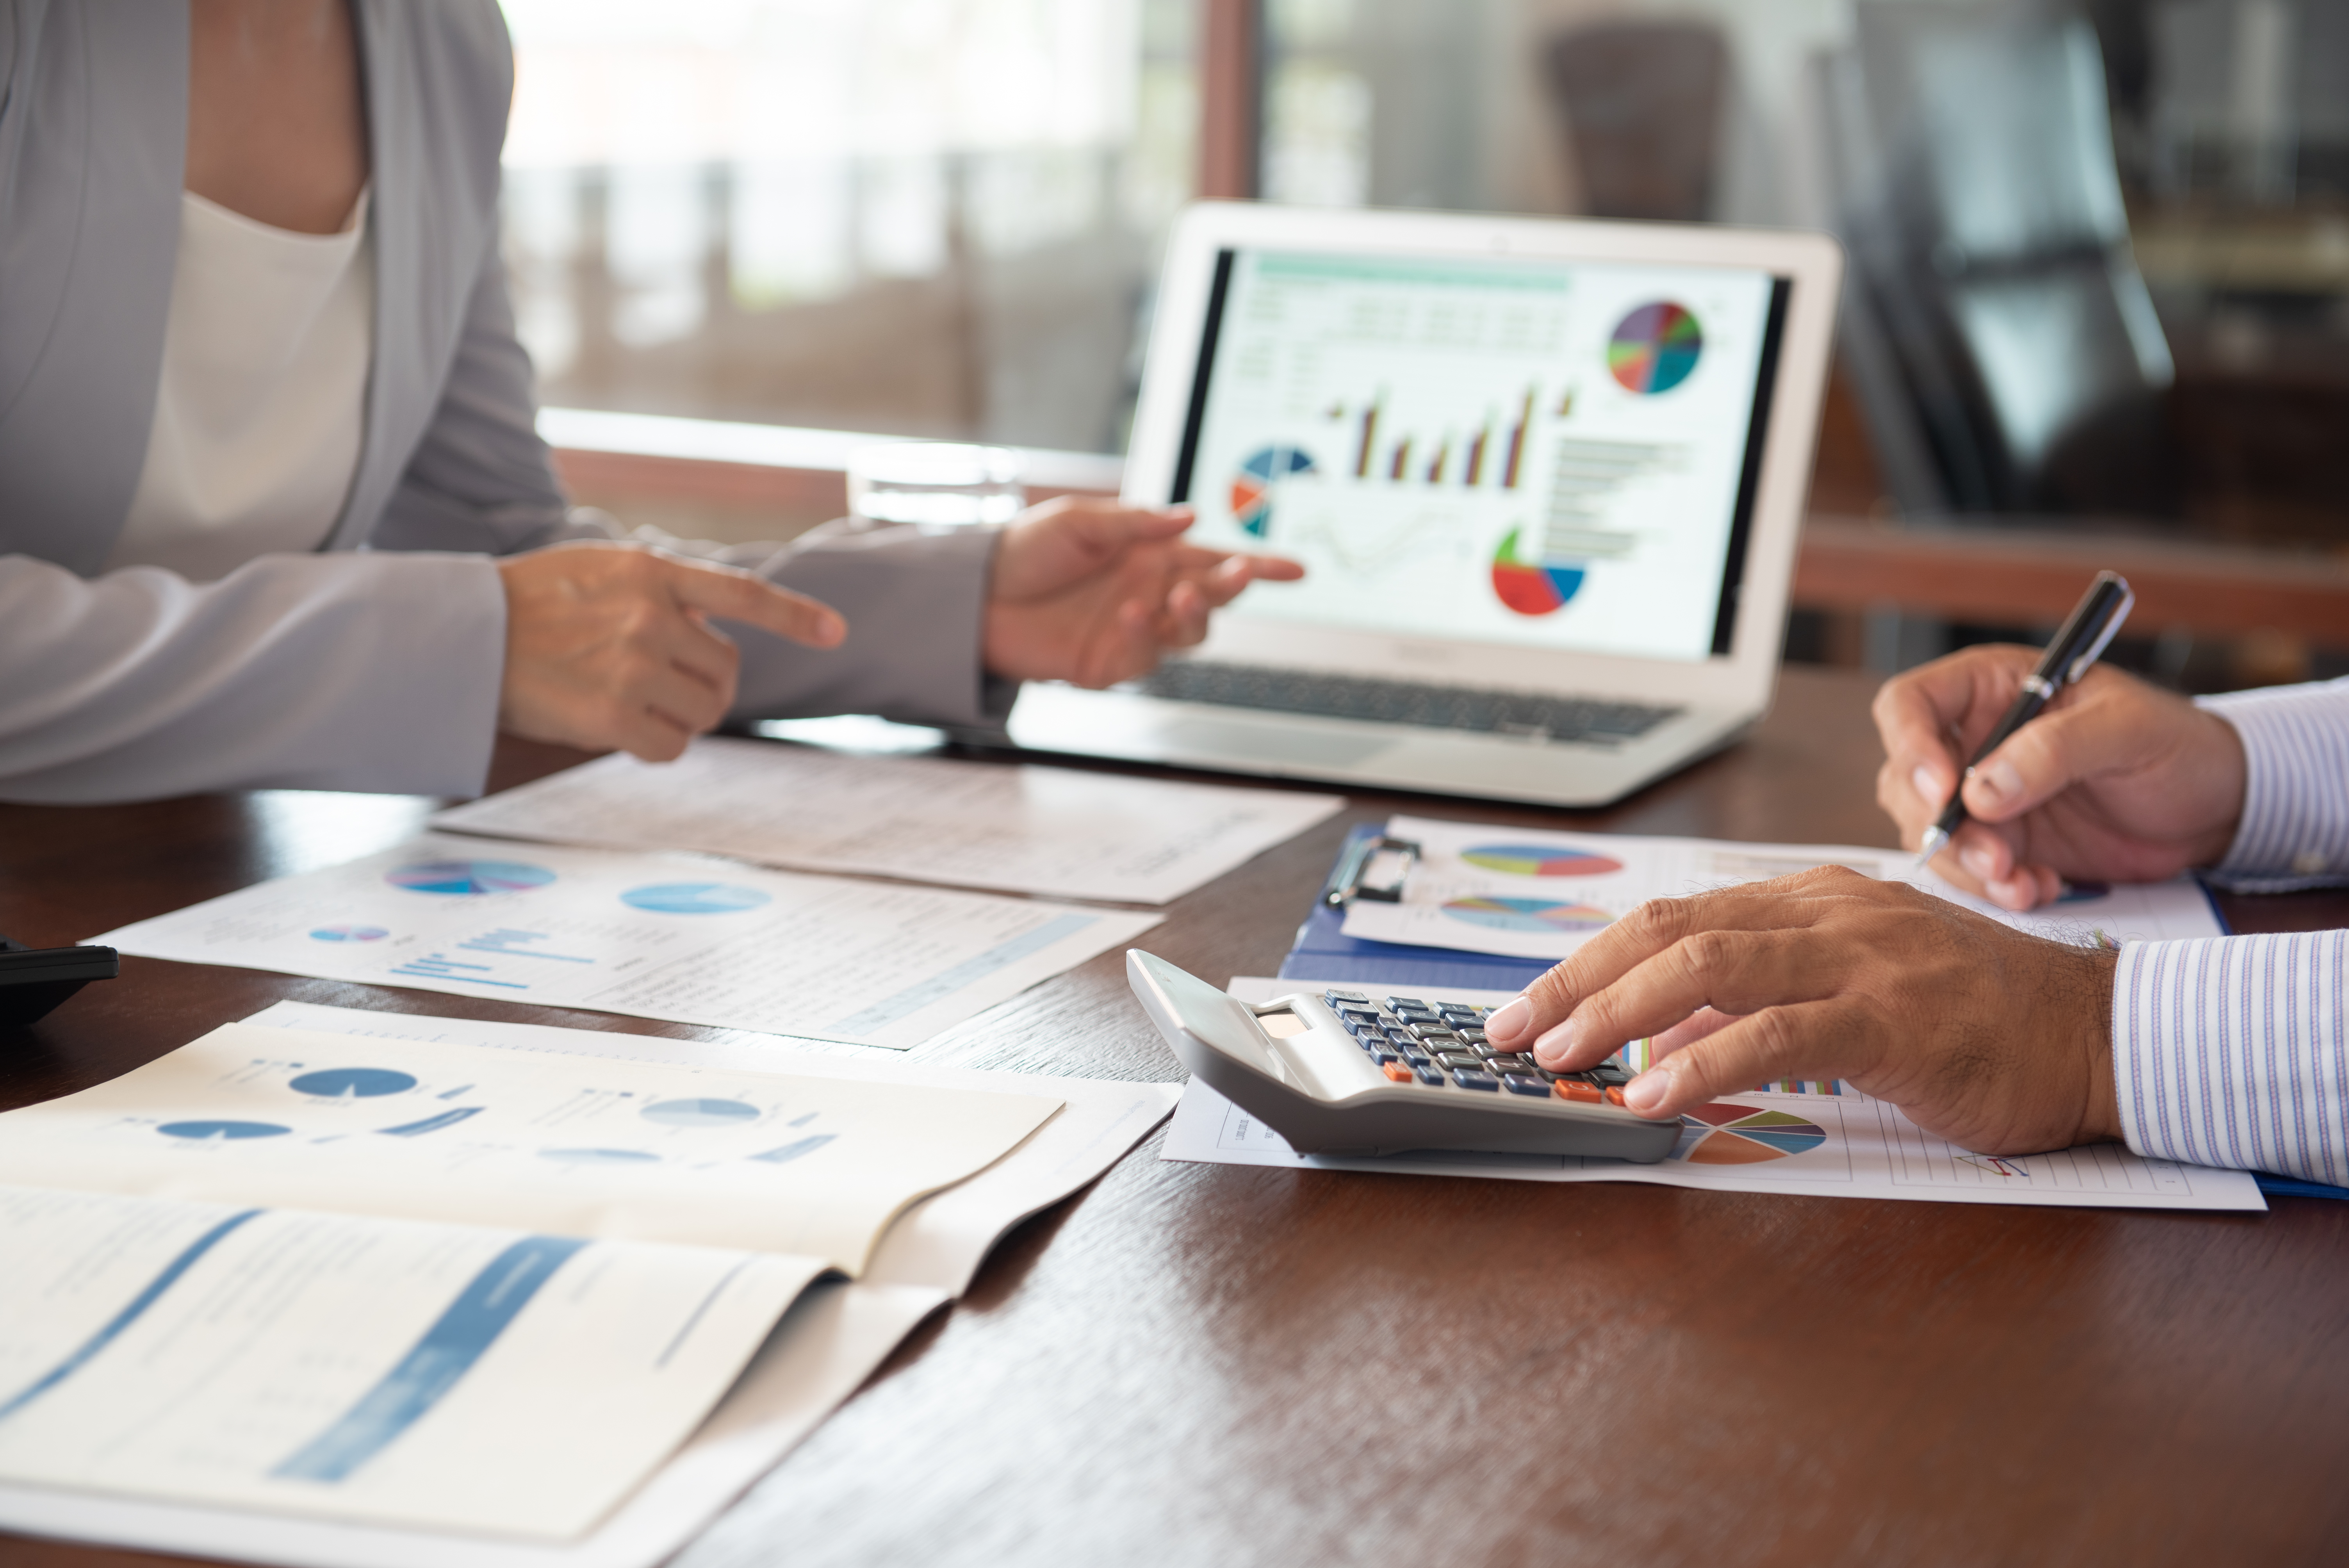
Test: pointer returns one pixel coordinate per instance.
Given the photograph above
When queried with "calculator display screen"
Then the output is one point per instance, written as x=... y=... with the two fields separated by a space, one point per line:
x=1540 y=453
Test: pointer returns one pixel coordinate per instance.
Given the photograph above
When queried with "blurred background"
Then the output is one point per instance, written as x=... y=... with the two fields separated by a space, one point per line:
x=2097 y=311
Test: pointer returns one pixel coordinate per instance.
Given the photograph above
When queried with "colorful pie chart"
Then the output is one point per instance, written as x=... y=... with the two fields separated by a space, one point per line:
x=1744 y=1135
x=1654 y=348
x=469 y=876
x=1540 y=860
x=1252 y=487
x=1532 y=914
x=1531 y=587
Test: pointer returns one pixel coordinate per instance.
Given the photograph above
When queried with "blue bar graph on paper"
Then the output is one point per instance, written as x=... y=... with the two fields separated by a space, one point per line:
x=481 y=1312
x=503 y=943
x=507 y=944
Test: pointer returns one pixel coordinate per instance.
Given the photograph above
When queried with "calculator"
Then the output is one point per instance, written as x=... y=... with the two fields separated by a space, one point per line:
x=1358 y=1071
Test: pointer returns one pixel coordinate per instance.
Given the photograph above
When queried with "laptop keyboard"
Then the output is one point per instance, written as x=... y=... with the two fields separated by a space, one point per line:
x=1402 y=702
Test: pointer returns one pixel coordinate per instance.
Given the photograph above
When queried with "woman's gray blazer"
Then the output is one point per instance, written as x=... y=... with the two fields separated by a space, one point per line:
x=374 y=664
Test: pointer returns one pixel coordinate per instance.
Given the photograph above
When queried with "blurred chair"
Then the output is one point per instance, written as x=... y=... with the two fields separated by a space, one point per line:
x=1642 y=106
x=2003 y=347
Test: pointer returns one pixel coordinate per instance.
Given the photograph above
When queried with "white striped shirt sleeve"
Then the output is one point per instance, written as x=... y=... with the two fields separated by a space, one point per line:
x=2234 y=1050
x=2296 y=828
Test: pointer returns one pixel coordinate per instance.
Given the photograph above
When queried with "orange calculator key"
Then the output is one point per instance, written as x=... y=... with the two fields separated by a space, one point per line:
x=1397 y=1071
x=1615 y=1096
x=1582 y=1093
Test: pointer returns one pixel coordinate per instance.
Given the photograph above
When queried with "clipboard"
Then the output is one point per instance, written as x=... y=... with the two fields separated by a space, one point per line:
x=1322 y=951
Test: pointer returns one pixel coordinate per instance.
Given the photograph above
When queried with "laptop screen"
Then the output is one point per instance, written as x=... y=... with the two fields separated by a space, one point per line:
x=1546 y=454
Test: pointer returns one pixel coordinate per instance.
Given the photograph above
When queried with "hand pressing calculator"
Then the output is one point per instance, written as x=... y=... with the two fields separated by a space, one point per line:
x=1350 y=1072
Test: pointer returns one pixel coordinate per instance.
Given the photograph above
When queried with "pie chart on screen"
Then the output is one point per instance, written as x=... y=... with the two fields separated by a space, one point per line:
x=1532 y=587
x=1745 y=1135
x=1655 y=348
x=1540 y=860
x=1253 y=486
x=1541 y=915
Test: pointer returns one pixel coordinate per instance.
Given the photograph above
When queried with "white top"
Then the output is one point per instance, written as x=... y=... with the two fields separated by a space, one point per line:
x=263 y=388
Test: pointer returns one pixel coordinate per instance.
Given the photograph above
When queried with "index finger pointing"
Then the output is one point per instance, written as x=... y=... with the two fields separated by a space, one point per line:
x=737 y=596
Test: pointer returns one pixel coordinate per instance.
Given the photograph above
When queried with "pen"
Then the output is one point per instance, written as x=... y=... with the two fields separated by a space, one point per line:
x=2093 y=622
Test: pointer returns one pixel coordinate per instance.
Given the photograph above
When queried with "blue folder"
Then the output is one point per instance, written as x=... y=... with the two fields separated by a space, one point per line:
x=1324 y=952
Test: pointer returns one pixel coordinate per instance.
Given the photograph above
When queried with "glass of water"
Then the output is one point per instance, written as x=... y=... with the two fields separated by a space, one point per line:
x=935 y=484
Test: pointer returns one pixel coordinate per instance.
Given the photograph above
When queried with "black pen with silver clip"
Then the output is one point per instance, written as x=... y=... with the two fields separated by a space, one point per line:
x=2092 y=625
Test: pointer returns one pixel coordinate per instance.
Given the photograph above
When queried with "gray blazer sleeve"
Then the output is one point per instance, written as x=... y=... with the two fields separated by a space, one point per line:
x=379 y=669
x=327 y=672
x=482 y=479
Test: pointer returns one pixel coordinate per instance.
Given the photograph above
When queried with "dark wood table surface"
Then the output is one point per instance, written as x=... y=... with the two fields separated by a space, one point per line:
x=1217 y=1365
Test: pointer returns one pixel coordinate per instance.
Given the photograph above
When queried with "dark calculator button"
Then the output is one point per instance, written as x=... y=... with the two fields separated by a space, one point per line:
x=1431 y=1076
x=1416 y=1058
x=1607 y=1074
x=1335 y=997
x=1511 y=1064
x=1466 y=1016
x=1525 y=1083
x=1462 y=1061
x=1467 y=1079
x=1429 y=1032
x=1475 y=1035
x=1408 y=1004
x=1384 y=1055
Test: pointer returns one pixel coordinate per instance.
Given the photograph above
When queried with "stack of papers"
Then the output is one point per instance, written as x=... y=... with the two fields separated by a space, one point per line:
x=291 y=1295
x=694 y=940
x=1527 y=893
x=689 y=940
x=1057 y=832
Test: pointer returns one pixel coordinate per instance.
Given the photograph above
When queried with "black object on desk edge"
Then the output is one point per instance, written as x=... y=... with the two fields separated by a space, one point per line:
x=34 y=980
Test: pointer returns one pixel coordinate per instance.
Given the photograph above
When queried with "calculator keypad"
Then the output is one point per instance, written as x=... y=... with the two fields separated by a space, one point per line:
x=1442 y=1045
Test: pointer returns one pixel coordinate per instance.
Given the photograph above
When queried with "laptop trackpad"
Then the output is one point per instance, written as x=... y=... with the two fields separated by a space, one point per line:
x=1267 y=743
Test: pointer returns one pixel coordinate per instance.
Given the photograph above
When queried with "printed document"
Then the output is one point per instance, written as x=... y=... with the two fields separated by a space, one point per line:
x=1527 y=893
x=1835 y=1142
x=307 y=1272
x=648 y=1152
x=826 y=1345
x=682 y=938
x=1058 y=832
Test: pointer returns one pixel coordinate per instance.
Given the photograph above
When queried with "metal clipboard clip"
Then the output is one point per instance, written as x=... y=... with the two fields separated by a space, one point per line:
x=1374 y=869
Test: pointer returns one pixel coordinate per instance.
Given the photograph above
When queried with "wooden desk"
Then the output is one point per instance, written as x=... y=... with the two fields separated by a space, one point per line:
x=1190 y=1364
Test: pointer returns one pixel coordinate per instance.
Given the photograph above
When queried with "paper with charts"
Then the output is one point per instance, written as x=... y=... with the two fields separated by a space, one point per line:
x=1013 y=827
x=672 y=937
x=1835 y=1142
x=319 y=1275
x=1527 y=893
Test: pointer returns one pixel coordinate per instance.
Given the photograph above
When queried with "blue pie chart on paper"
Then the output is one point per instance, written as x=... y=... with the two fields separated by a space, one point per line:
x=598 y=1156
x=693 y=898
x=201 y=1131
x=469 y=876
x=699 y=1112
x=353 y=1083
x=349 y=933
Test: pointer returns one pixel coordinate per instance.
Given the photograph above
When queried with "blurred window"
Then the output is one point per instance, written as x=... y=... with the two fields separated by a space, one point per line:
x=926 y=217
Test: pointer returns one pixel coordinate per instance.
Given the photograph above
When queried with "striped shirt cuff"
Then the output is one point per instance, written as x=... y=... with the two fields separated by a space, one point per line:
x=2234 y=1051
x=2296 y=828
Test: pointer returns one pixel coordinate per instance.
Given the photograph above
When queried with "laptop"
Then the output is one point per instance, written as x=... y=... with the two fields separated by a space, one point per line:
x=1546 y=477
